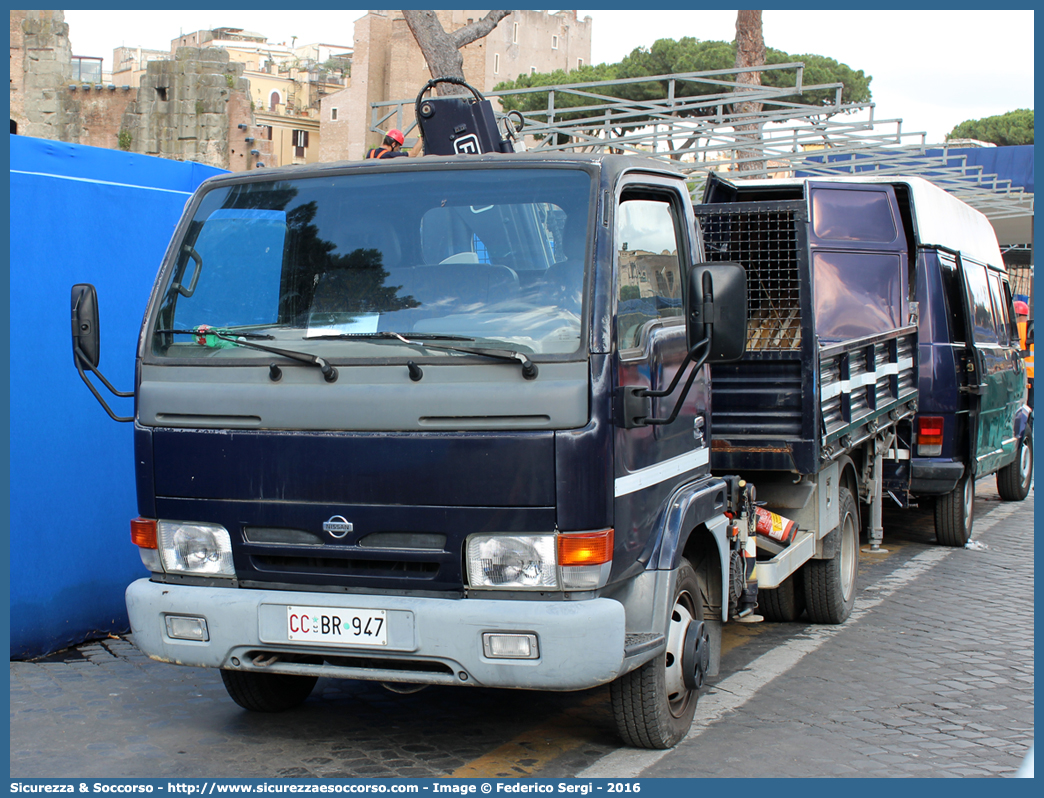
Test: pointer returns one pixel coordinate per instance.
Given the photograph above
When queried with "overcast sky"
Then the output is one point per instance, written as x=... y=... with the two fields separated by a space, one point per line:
x=932 y=69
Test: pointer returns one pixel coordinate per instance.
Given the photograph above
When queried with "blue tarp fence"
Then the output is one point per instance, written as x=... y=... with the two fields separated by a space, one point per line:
x=1008 y=163
x=78 y=215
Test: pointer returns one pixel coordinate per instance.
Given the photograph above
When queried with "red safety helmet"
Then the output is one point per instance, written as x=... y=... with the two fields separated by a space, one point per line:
x=1021 y=308
x=396 y=134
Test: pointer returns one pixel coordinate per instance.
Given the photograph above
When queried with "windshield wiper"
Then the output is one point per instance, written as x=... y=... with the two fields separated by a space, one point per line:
x=529 y=368
x=204 y=333
x=213 y=331
x=386 y=335
x=422 y=340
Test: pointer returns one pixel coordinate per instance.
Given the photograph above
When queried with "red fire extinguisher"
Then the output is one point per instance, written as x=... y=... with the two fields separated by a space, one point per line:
x=775 y=526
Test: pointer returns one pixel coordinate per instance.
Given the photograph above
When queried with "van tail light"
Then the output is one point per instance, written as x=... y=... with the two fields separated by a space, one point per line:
x=929 y=436
x=143 y=533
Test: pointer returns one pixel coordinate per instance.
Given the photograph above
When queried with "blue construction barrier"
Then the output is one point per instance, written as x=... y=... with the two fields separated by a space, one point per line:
x=78 y=214
x=1008 y=163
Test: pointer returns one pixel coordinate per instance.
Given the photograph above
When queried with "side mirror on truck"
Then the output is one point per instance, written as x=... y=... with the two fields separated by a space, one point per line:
x=715 y=330
x=85 y=339
x=716 y=310
x=86 y=343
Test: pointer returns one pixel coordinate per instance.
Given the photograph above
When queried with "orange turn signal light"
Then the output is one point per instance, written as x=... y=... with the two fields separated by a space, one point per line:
x=585 y=548
x=143 y=533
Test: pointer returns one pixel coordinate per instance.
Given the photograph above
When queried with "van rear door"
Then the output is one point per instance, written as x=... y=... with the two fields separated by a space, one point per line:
x=996 y=374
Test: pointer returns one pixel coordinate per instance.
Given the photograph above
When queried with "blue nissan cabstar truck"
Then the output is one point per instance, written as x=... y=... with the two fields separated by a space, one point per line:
x=437 y=421
x=448 y=421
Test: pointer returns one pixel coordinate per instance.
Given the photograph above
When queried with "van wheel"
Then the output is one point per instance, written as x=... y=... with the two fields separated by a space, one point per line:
x=830 y=585
x=267 y=692
x=654 y=704
x=1014 y=480
x=955 y=513
x=784 y=603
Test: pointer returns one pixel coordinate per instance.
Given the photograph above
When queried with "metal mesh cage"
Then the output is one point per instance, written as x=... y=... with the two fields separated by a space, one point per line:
x=765 y=242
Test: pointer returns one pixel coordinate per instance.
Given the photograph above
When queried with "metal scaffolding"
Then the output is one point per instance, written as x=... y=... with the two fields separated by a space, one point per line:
x=697 y=123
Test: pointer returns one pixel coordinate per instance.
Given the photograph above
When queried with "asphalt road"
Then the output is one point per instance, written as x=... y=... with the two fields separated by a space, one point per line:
x=931 y=676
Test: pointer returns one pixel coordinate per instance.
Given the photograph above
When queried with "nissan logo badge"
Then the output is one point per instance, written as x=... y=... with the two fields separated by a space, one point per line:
x=338 y=526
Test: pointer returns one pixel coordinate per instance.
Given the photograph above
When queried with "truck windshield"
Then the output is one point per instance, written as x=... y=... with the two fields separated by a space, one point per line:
x=321 y=263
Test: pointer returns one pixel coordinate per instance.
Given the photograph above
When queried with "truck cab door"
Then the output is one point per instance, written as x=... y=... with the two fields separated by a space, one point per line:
x=654 y=252
x=995 y=372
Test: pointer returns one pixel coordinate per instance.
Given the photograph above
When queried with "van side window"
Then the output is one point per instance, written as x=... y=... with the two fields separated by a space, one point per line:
x=649 y=275
x=954 y=296
x=984 y=325
x=1000 y=309
x=1009 y=309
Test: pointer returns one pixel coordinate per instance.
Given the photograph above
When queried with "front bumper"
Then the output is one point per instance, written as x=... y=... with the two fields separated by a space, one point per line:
x=430 y=640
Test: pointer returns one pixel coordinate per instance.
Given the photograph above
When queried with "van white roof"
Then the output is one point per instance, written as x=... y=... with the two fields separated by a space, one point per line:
x=940 y=219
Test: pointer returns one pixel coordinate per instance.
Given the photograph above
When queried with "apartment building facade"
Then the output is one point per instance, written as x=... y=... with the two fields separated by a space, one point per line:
x=387 y=65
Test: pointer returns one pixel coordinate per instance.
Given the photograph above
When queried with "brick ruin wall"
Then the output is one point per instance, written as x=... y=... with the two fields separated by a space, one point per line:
x=184 y=110
x=188 y=109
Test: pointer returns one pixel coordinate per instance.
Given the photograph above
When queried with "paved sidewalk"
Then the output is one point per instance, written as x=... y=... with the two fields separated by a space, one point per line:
x=937 y=681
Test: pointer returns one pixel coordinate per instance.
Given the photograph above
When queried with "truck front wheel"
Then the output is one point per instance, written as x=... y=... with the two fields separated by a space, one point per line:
x=654 y=704
x=830 y=584
x=267 y=692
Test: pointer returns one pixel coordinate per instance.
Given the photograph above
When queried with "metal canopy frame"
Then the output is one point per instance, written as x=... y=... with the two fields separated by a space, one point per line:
x=707 y=132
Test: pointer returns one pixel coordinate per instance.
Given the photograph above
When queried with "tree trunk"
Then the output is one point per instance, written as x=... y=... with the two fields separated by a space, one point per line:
x=750 y=51
x=441 y=49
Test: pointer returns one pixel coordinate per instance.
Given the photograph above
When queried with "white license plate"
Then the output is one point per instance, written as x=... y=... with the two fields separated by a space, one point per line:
x=343 y=627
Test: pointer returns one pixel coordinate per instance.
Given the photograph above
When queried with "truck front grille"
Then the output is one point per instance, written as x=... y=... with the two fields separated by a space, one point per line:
x=337 y=566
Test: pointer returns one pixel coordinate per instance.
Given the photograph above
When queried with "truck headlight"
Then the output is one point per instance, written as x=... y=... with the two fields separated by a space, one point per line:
x=195 y=549
x=564 y=561
x=513 y=562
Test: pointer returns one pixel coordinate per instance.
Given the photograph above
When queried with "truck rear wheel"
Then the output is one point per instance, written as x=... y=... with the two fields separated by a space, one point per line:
x=267 y=692
x=1014 y=480
x=830 y=584
x=654 y=704
x=784 y=603
x=955 y=513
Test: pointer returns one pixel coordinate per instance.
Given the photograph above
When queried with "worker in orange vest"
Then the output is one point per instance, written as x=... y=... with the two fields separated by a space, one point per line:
x=1022 y=315
x=392 y=146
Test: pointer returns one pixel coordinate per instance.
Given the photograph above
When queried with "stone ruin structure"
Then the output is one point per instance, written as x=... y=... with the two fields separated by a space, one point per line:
x=195 y=107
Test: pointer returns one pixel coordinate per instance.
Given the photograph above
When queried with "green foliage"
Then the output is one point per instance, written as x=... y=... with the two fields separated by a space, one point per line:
x=123 y=140
x=1004 y=130
x=199 y=107
x=666 y=57
x=630 y=292
x=230 y=79
x=337 y=66
x=820 y=70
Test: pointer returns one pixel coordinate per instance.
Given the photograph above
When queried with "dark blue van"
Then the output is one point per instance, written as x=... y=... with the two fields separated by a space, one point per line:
x=973 y=419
